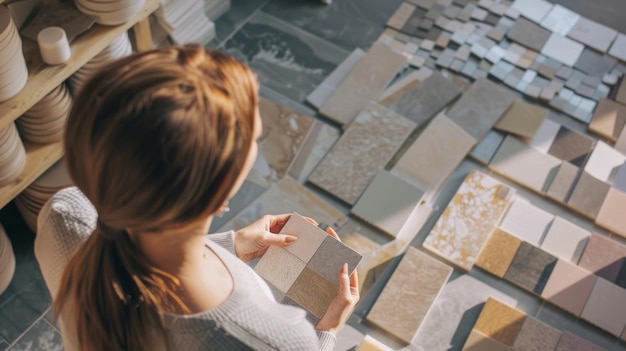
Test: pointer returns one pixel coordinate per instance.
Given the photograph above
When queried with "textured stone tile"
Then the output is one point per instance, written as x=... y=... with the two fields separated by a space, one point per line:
x=528 y=34
x=559 y=187
x=606 y=307
x=560 y=20
x=603 y=257
x=571 y=342
x=531 y=268
x=604 y=162
x=522 y=119
x=592 y=34
x=330 y=257
x=320 y=139
x=310 y=237
x=327 y=87
x=562 y=49
x=565 y=240
x=366 y=82
x=572 y=146
x=438 y=150
x=588 y=195
x=534 y=10
x=487 y=147
x=618 y=49
x=569 y=287
x=280 y=268
x=611 y=215
x=471 y=215
x=480 y=108
x=536 y=336
x=498 y=253
x=477 y=341
x=527 y=221
x=595 y=64
x=313 y=292
x=367 y=145
x=500 y=321
x=399 y=87
x=608 y=119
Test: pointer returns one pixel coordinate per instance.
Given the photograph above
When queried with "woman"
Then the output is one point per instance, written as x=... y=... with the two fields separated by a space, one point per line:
x=157 y=143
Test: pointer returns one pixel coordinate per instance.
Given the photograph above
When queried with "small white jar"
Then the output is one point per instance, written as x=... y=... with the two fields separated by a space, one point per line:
x=53 y=45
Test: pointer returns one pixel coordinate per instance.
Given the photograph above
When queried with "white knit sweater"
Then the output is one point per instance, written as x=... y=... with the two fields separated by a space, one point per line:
x=250 y=318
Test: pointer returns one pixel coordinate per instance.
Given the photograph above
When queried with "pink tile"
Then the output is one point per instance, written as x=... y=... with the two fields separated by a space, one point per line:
x=603 y=256
x=569 y=287
x=571 y=342
x=606 y=307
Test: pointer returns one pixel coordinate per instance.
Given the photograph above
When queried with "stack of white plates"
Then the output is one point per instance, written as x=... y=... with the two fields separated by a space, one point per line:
x=7 y=261
x=13 y=71
x=119 y=48
x=32 y=199
x=45 y=122
x=110 y=12
x=12 y=155
x=186 y=20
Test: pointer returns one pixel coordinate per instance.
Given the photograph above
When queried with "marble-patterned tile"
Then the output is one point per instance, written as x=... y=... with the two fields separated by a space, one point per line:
x=426 y=99
x=313 y=292
x=592 y=34
x=588 y=195
x=23 y=309
x=522 y=119
x=528 y=34
x=388 y=202
x=478 y=341
x=561 y=184
x=604 y=162
x=280 y=268
x=565 y=240
x=595 y=64
x=524 y=164
x=468 y=220
x=365 y=83
x=287 y=59
x=436 y=153
x=40 y=337
x=416 y=282
x=606 y=307
x=483 y=152
x=230 y=21
x=572 y=146
x=562 y=49
x=603 y=256
x=500 y=321
x=534 y=10
x=536 y=336
x=371 y=344
x=368 y=144
x=571 y=342
x=560 y=20
x=527 y=221
x=618 y=49
x=327 y=87
x=545 y=135
x=310 y=237
x=318 y=142
x=611 y=215
x=609 y=119
x=531 y=268
x=498 y=253
x=569 y=287
x=330 y=257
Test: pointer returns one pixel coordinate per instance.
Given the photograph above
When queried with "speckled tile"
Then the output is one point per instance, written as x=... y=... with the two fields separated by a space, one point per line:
x=436 y=153
x=498 y=253
x=522 y=119
x=466 y=223
x=528 y=34
x=416 y=282
x=572 y=146
x=536 y=336
x=280 y=268
x=327 y=87
x=604 y=162
x=592 y=34
x=527 y=221
x=606 y=307
x=571 y=342
x=480 y=107
x=559 y=187
x=330 y=257
x=313 y=292
x=545 y=135
x=562 y=49
x=611 y=215
x=609 y=119
x=487 y=147
x=531 y=268
x=366 y=82
x=367 y=145
x=500 y=321
x=560 y=20
x=477 y=341
x=603 y=257
x=569 y=287
x=565 y=240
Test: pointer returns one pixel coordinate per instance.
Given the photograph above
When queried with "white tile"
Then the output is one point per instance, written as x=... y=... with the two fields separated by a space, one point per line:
x=604 y=162
x=526 y=221
x=545 y=135
x=562 y=49
x=279 y=267
x=565 y=240
x=560 y=20
x=534 y=10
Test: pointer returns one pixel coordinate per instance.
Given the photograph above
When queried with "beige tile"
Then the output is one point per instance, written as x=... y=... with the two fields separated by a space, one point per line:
x=611 y=215
x=565 y=240
x=561 y=184
x=588 y=195
x=320 y=139
x=371 y=344
x=327 y=87
x=360 y=243
x=478 y=341
x=500 y=321
x=527 y=221
x=310 y=237
x=603 y=257
x=620 y=144
x=608 y=119
x=536 y=336
x=569 y=287
x=522 y=119
x=280 y=268
x=498 y=253
x=604 y=162
x=606 y=307
x=312 y=292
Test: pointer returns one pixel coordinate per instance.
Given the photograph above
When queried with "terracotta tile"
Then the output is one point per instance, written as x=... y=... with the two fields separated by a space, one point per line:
x=320 y=95
x=313 y=292
x=611 y=215
x=592 y=34
x=522 y=119
x=604 y=162
x=435 y=154
x=545 y=135
x=477 y=341
x=609 y=119
x=310 y=237
x=498 y=253
x=536 y=336
x=528 y=34
x=606 y=307
x=416 y=282
x=280 y=268
x=559 y=187
x=487 y=147
x=569 y=287
x=565 y=240
x=500 y=321
x=603 y=257
x=571 y=342
x=534 y=10
x=371 y=344
x=588 y=195
x=468 y=220
x=531 y=268
x=571 y=146
x=367 y=145
x=366 y=82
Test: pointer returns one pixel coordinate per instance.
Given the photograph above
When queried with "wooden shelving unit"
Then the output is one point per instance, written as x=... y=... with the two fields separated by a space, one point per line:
x=42 y=78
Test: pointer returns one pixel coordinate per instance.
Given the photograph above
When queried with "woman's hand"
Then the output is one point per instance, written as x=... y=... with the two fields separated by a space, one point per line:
x=347 y=297
x=252 y=241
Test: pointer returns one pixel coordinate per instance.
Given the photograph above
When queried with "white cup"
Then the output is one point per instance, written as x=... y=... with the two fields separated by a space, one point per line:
x=53 y=45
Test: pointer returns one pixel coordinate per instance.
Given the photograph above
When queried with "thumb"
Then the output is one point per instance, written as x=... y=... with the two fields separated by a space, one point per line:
x=279 y=239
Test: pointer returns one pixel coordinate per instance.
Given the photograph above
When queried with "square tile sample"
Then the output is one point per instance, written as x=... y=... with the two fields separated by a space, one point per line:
x=359 y=243
x=545 y=135
x=603 y=257
x=618 y=49
x=310 y=237
x=368 y=144
x=388 y=202
x=425 y=100
x=569 y=287
x=571 y=342
x=595 y=64
x=498 y=253
x=528 y=34
x=536 y=336
x=436 y=153
x=572 y=146
x=559 y=187
x=565 y=240
x=524 y=164
x=606 y=307
x=500 y=321
x=531 y=268
x=608 y=119
x=527 y=221
x=588 y=195
x=468 y=220
x=560 y=20
x=416 y=282
x=327 y=87
x=478 y=341
x=604 y=162
x=592 y=34
x=534 y=10
x=611 y=215
x=522 y=119
x=366 y=82
x=312 y=292
x=280 y=268
x=487 y=147
x=480 y=107
x=562 y=49
x=619 y=181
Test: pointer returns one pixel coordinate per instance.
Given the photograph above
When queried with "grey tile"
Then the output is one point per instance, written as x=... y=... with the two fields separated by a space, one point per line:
x=230 y=21
x=531 y=268
x=19 y=312
x=588 y=195
x=330 y=257
x=593 y=34
x=3 y=345
x=572 y=146
x=595 y=64
x=618 y=49
x=484 y=151
x=40 y=337
x=561 y=184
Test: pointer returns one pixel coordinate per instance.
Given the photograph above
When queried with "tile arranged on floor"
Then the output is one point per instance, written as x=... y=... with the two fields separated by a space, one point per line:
x=603 y=256
x=320 y=139
x=609 y=119
x=416 y=282
x=348 y=338
x=498 y=253
x=524 y=164
x=531 y=268
x=588 y=195
x=436 y=153
x=620 y=144
x=562 y=49
x=592 y=34
x=560 y=20
x=604 y=162
x=480 y=107
x=565 y=240
x=327 y=87
x=426 y=99
x=399 y=87
x=621 y=92
x=537 y=336
x=500 y=321
x=595 y=64
x=534 y=10
x=611 y=215
x=478 y=341
x=388 y=202
x=572 y=146
x=606 y=307
x=483 y=152
x=527 y=221
x=559 y=187
x=618 y=49
x=368 y=144
x=468 y=220
x=619 y=181
x=528 y=34
x=571 y=342
x=40 y=336
x=365 y=83
x=24 y=308
x=522 y=119
x=359 y=243
x=545 y=135
x=371 y=344
x=569 y=287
